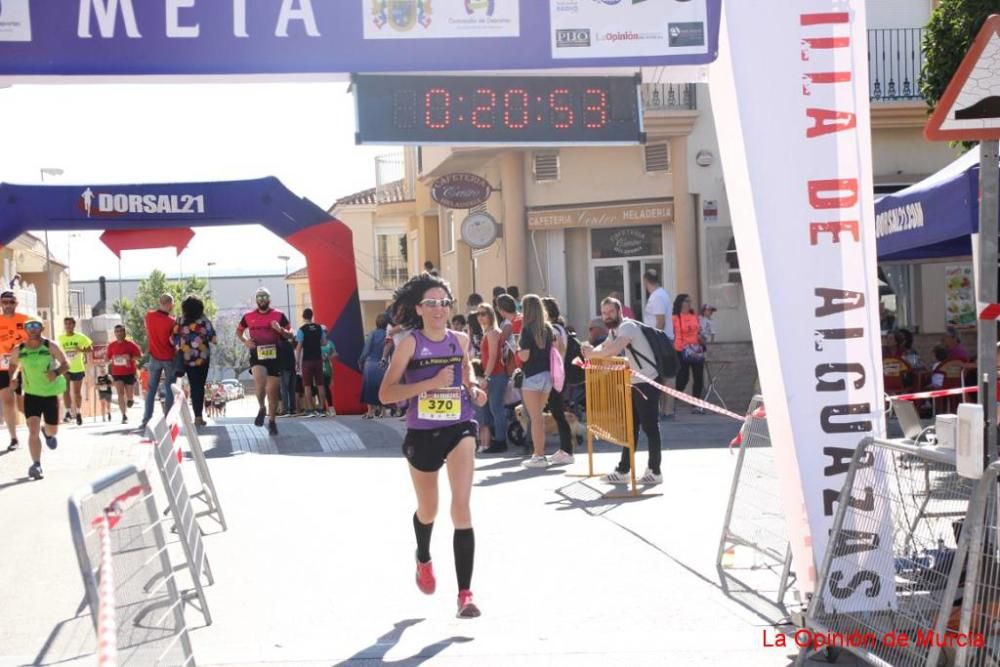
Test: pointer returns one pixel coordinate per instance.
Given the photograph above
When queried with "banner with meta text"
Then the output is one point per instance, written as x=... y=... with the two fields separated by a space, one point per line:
x=285 y=38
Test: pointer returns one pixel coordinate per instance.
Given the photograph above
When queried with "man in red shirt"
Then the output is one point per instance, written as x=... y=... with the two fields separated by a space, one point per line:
x=162 y=355
x=123 y=354
x=264 y=327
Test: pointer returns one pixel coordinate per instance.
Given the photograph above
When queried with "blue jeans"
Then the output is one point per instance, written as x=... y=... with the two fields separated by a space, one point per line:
x=158 y=369
x=498 y=412
x=287 y=391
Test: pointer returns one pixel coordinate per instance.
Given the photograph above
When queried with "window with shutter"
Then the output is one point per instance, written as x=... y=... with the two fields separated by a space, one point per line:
x=546 y=167
x=657 y=157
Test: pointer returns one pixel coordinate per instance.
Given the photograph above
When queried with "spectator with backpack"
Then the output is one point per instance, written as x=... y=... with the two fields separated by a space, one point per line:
x=556 y=405
x=631 y=340
x=690 y=347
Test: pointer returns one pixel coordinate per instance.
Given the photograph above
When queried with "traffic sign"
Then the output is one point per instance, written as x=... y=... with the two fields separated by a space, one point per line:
x=969 y=110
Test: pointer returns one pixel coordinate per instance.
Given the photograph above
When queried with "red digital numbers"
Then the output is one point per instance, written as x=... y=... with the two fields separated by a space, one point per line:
x=562 y=113
x=484 y=115
x=485 y=108
x=437 y=108
x=595 y=108
x=515 y=108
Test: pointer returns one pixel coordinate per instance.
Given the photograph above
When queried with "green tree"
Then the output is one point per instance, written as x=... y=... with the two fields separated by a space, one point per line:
x=947 y=38
x=230 y=352
x=147 y=297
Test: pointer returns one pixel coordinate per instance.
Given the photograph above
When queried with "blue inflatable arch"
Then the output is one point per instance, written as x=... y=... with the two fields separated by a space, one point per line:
x=326 y=242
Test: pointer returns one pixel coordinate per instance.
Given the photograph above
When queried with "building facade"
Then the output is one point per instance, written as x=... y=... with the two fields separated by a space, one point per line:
x=40 y=281
x=582 y=223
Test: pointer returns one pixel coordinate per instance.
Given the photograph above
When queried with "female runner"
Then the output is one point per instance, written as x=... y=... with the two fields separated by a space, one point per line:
x=431 y=370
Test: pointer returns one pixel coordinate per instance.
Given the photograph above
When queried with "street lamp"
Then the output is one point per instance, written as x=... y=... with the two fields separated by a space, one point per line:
x=210 y=265
x=50 y=171
x=288 y=298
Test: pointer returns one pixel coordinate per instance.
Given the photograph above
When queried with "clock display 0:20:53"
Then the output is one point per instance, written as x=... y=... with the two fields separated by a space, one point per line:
x=511 y=108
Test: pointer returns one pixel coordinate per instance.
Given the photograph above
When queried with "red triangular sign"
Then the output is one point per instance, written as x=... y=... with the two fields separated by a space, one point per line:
x=969 y=110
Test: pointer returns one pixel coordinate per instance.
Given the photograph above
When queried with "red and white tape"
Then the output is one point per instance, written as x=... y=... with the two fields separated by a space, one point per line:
x=107 y=628
x=936 y=393
x=687 y=398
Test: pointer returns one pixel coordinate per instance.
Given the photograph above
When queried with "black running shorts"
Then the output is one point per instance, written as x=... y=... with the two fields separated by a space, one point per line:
x=5 y=382
x=76 y=377
x=42 y=406
x=427 y=450
x=273 y=366
x=124 y=379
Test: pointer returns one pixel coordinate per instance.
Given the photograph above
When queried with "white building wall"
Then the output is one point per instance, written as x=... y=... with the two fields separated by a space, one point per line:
x=898 y=13
x=596 y=174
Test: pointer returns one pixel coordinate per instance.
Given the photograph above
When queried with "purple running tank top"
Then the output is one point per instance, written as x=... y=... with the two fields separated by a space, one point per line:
x=442 y=407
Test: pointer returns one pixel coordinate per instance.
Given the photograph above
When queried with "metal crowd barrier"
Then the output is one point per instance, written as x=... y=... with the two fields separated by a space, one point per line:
x=207 y=494
x=755 y=520
x=608 y=385
x=928 y=503
x=182 y=511
x=139 y=625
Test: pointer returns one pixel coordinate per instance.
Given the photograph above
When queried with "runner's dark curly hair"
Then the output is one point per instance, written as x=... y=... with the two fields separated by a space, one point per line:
x=406 y=298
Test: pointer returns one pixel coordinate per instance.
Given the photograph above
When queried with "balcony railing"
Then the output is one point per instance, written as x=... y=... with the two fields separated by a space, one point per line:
x=392 y=272
x=669 y=97
x=895 y=64
x=393 y=181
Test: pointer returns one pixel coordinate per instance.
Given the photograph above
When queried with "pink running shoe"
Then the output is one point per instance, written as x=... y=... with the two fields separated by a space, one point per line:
x=466 y=607
x=425 y=578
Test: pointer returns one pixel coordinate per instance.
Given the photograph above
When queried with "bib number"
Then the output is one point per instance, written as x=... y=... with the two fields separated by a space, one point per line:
x=267 y=352
x=441 y=405
x=71 y=355
x=120 y=360
x=5 y=362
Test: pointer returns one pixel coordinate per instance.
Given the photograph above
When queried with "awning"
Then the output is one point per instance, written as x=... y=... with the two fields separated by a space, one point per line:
x=932 y=218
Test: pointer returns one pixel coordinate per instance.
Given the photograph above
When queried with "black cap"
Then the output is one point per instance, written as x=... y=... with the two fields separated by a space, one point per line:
x=8 y=295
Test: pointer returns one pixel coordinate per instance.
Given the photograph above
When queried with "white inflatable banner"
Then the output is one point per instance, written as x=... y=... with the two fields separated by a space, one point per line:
x=790 y=97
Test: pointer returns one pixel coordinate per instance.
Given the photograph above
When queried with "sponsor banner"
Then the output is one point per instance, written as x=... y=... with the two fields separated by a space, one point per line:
x=806 y=239
x=625 y=28
x=424 y=19
x=294 y=39
x=649 y=213
x=15 y=21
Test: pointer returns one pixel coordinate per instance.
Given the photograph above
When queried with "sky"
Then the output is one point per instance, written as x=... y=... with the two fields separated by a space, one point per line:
x=303 y=133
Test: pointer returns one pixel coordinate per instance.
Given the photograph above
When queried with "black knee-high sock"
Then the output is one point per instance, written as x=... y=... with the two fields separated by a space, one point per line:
x=423 y=531
x=465 y=552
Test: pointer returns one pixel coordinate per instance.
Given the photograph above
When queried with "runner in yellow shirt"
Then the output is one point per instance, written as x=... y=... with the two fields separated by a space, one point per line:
x=77 y=348
x=12 y=334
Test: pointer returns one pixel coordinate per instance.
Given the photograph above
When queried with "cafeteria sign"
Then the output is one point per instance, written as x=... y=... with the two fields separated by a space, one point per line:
x=649 y=213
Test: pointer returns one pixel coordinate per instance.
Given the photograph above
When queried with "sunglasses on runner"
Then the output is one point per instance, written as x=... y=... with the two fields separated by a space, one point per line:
x=33 y=326
x=436 y=303
x=9 y=302
x=263 y=297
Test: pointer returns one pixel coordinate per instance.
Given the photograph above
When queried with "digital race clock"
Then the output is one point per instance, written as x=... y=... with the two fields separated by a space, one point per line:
x=509 y=110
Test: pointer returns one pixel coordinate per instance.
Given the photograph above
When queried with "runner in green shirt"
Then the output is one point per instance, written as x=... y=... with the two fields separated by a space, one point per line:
x=39 y=365
x=76 y=346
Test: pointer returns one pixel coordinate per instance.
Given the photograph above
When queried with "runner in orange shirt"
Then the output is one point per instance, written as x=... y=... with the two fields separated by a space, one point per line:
x=12 y=334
